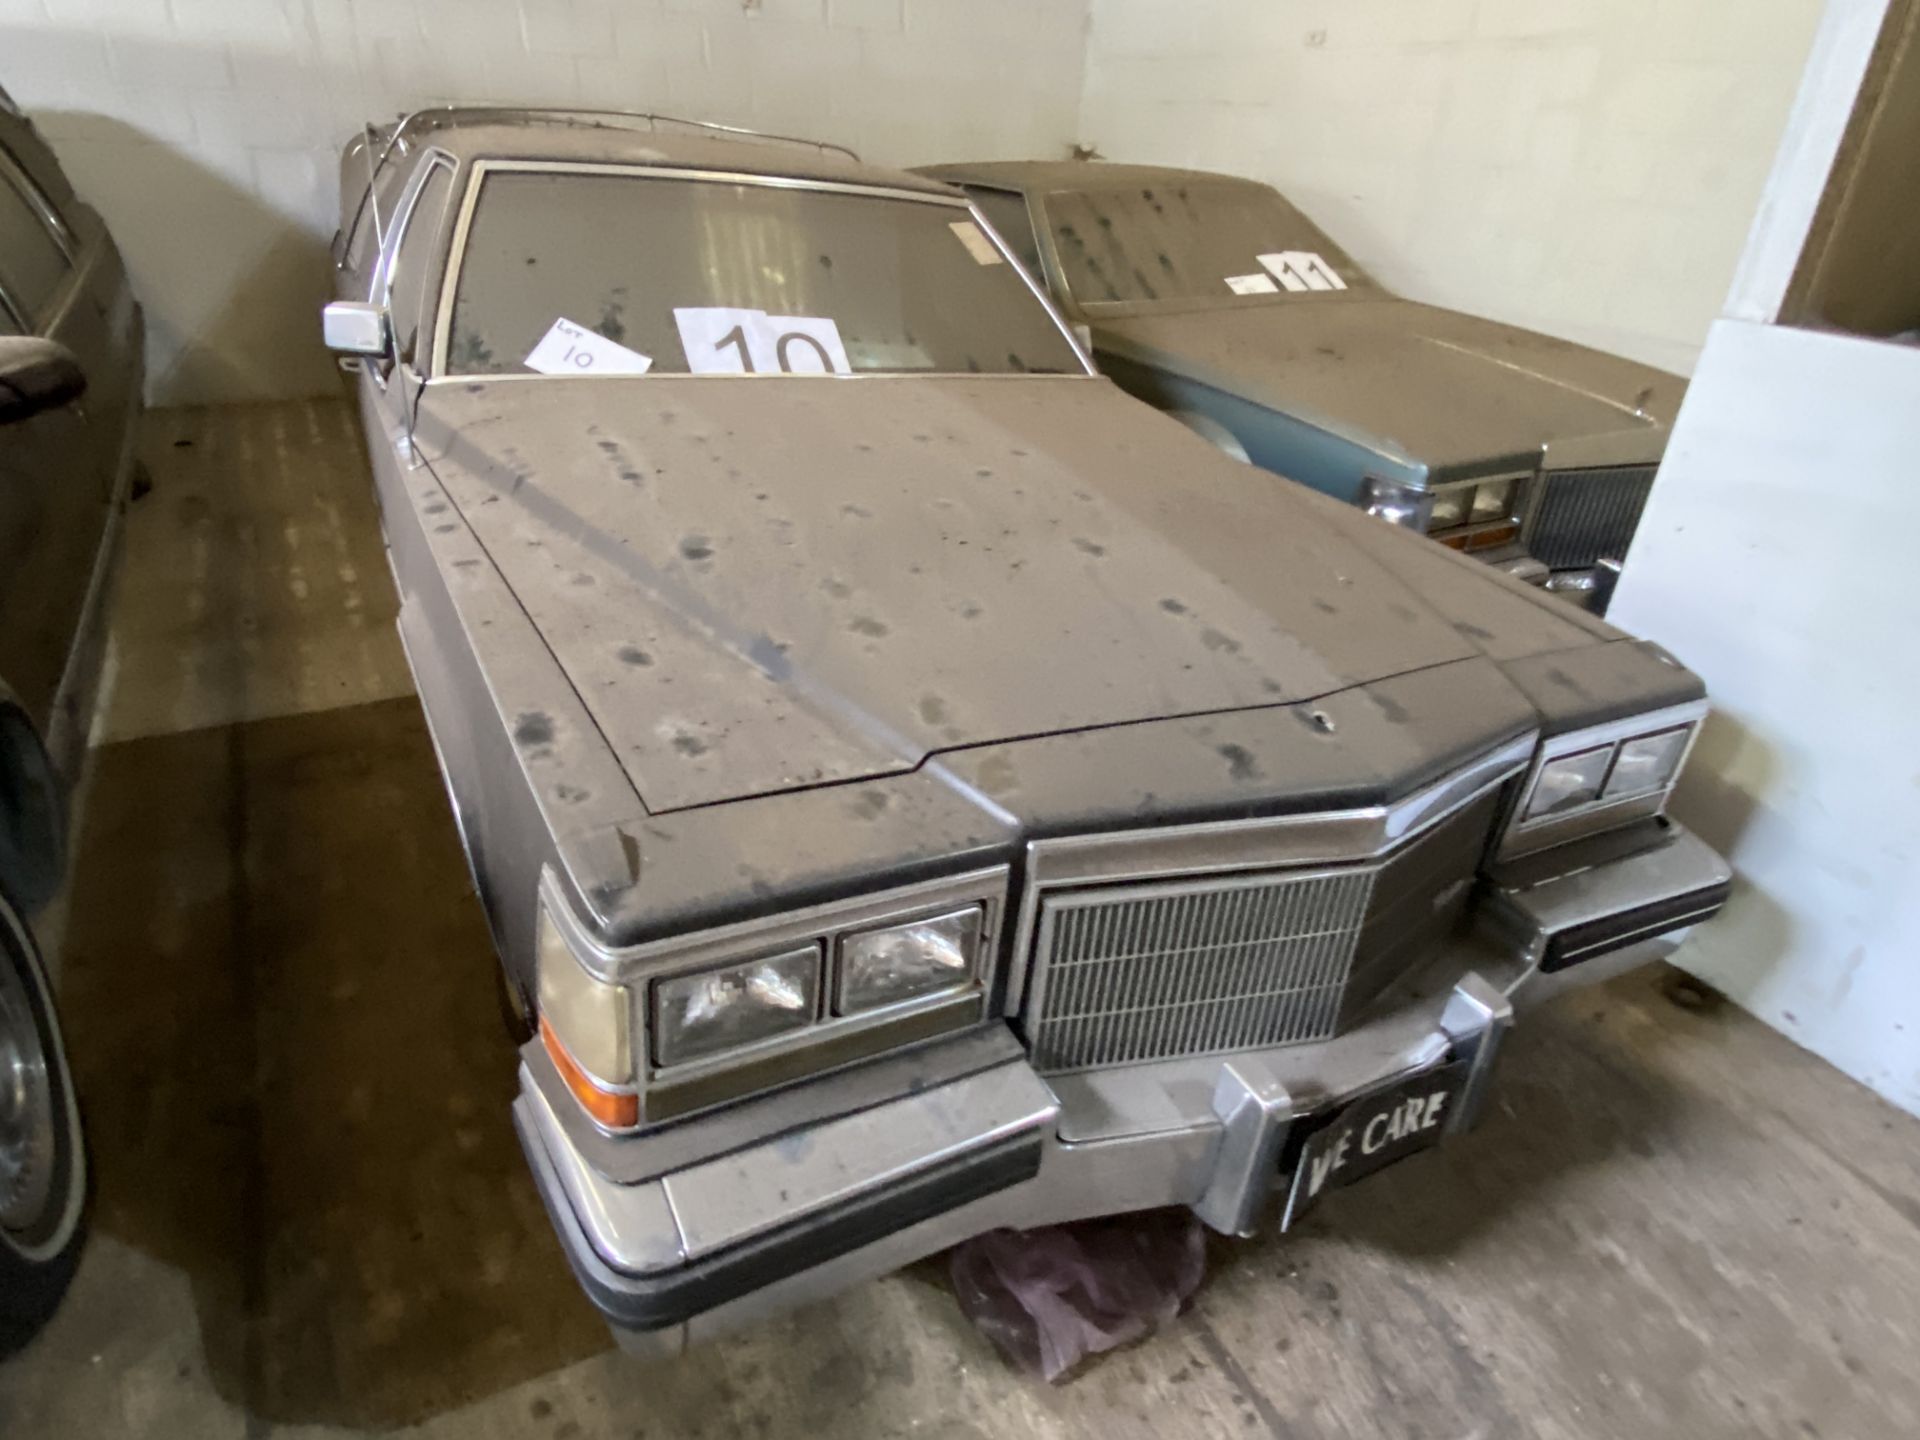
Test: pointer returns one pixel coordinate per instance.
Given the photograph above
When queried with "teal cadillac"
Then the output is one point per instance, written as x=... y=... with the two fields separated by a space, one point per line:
x=1216 y=300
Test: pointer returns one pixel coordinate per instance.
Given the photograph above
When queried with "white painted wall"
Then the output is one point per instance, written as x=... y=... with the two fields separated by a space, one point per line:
x=207 y=131
x=1583 y=167
x=1774 y=559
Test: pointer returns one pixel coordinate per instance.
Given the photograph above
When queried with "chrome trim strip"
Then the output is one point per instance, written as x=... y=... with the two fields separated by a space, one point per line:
x=480 y=169
x=1035 y=287
x=1634 y=937
x=381 y=291
x=1519 y=837
x=653 y=117
x=1224 y=846
x=13 y=171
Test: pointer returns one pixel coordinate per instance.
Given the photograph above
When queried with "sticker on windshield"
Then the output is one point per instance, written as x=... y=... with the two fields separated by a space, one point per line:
x=719 y=340
x=977 y=243
x=1302 y=270
x=570 y=349
x=1252 y=285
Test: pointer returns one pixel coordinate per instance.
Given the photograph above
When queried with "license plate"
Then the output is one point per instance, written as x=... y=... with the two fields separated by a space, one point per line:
x=1373 y=1132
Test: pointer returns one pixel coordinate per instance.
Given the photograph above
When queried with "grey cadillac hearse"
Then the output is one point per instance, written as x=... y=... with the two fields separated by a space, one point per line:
x=914 y=787
x=1217 y=300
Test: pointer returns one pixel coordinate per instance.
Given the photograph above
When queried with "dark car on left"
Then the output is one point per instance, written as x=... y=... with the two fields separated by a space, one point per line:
x=70 y=386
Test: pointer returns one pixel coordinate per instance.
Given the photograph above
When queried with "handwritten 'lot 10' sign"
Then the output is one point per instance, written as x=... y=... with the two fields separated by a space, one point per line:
x=723 y=341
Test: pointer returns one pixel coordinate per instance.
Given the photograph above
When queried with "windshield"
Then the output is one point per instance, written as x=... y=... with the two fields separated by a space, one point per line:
x=1191 y=240
x=576 y=273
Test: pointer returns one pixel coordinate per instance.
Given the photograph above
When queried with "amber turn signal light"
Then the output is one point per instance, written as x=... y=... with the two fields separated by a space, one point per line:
x=1482 y=539
x=612 y=1108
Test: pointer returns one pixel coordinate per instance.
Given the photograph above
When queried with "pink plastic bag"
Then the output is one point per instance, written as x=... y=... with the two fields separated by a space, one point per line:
x=1048 y=1298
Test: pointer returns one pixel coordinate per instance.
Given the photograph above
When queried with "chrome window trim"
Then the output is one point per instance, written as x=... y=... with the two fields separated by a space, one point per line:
x=381 y=291
x=1524 y=837
x=11 y=309
x=481 y=169
x=1222 y=847
x=14 y=172
x=44 y=320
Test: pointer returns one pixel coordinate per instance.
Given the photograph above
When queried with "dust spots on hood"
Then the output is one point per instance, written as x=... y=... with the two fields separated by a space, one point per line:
x=532 y=729
x=1242 y=767
x=696 y=548
x=1568 y=683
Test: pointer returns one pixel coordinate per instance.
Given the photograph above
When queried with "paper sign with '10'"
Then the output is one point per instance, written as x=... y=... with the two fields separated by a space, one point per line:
x=720 y=340
x=570 y=349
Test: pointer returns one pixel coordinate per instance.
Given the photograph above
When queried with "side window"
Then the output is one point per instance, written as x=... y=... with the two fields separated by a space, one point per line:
x=407 y=283
x=32 y=262
x=1006 y=211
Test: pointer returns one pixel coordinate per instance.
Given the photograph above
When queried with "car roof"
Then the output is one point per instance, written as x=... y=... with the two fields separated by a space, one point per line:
x=617 y=138
x=1070 y=174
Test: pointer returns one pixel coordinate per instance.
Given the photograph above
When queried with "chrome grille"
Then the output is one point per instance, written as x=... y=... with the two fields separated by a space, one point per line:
x=1145 y=972
x=1584 y=516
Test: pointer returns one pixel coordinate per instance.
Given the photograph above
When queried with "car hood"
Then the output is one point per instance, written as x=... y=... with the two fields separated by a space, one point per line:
x=1423 y=385
x=762 y=585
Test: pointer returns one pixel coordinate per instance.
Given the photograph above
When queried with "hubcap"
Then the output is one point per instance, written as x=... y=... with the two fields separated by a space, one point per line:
x=26 y=1109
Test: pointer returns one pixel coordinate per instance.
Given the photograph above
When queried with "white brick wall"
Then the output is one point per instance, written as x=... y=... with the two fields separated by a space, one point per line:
x=1587 y=167
x=1584 y=167
x=207 y=130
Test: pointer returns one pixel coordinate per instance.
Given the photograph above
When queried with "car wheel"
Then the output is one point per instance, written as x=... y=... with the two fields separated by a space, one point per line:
x=43 y=1159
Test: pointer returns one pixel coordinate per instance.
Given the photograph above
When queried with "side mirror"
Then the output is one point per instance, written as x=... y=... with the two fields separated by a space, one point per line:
x=36 y=375
x=355 y=327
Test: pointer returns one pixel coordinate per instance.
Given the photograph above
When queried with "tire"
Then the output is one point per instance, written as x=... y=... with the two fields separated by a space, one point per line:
x=44 y=1173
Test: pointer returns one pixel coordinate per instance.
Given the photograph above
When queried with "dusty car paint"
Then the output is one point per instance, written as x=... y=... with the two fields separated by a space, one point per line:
x=72 y=335
x=718 y=665
x=1329 y=388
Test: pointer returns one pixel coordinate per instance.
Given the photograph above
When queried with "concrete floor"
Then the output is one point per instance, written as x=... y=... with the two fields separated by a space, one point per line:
x=312 y=1218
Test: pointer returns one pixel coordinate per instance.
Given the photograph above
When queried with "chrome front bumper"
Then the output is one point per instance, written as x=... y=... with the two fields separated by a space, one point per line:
x=805 y=1215
x=709 y=1226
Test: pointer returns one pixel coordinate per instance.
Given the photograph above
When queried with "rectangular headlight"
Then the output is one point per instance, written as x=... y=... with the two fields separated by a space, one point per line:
x=1569 y=782
x=1449 y=509
x=1396 y=503
x=901 y=962
x=1602 y=776
x=713 y=1010
x=1490 y=500
x=1647 y=763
